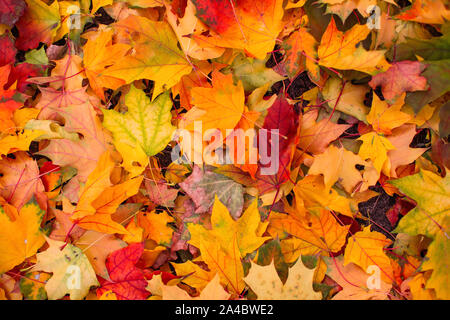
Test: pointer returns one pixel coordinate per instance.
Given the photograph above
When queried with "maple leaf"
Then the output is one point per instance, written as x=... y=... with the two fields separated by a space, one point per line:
x=247 y=230
x=426 y=11
x=301 y=53
x=212 y=291
x=106 y=204
x=353 y=281
x=264 y=281
x=384 y=117
x=337 y=50
x=7 y=103
x=401 y=76
x=165 y=65
x=11 y=11
x=431 y=192
x=346 y=97
x=21 y=235
x=403 y=154
x=204 y=185
x=316 y=232
x=159 y=193
x=19 y=142
x=146 y=125
x=127 y=281
x=84 y=154
x=338 y=164
x=438 y=261
x=226 y=262
x=96 y=4
x=246 y=25
x=218 y=107
x=156 y=226
x=313 y=192
x=193 y=275
x=64 y=263
x=366 y=248
x=97 y=247
x=98 y=54
x=96 y=182
x=7 y=50
x=281 y=120
x=375 y=147
x=34 y=290
x=38 y=24
x=316 y=136
x=20 y=180
x=183 y=27
x=253 y=73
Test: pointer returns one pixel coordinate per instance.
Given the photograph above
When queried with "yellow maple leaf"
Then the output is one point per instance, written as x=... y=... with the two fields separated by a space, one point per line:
x=338 y=50
x=72 y=272
x=366 y=248
x=156 y=55
x=338 y=164
x=253 y=26
x=155 y=226
x=317 y=233
x=187 y=26
x=21 y=141
x=99 y=54
x=193 y=275
x=212 y=291
x=20 y=234
x=247 y=230
x=97 y=181
x=313 y=192
x=375 y=147
x=266 y=283
x=384 y=117
x=218 y=107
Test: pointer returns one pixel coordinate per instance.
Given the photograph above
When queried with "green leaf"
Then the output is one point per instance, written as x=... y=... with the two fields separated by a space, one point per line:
x=146 y=124
x=36 y=57
x=439 y=262
x=432 y=50
x=432 y=194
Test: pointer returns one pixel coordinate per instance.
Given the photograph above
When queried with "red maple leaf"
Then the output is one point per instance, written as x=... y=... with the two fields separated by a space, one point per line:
x=10 y=11
x=127 y=281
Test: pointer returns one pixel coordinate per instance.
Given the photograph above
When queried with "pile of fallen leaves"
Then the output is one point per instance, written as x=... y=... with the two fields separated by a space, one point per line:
x=93 y=207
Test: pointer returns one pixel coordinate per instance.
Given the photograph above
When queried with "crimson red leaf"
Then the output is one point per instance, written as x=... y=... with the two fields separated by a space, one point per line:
x=7 y=50
x=282 y=117
x=10 y=11
x=127 y=281
x=21 y=73
x=217 y=14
